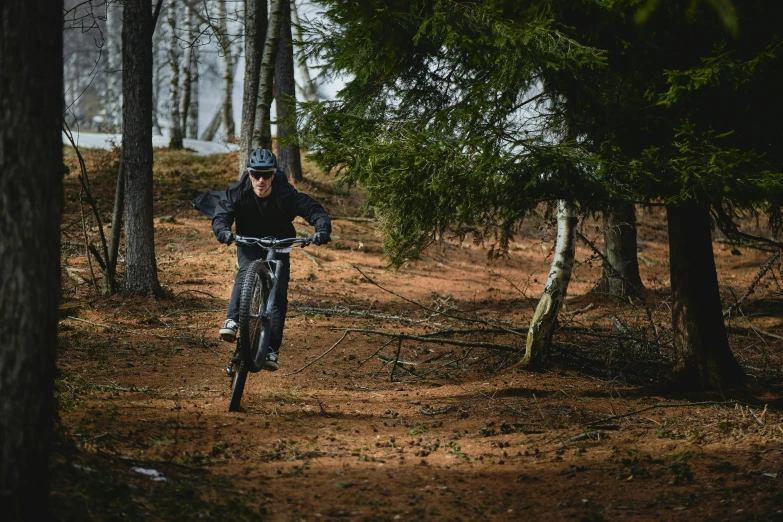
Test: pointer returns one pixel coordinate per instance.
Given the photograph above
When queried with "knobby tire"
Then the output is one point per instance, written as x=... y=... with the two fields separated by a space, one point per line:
x=253 y=330
x=237 y=387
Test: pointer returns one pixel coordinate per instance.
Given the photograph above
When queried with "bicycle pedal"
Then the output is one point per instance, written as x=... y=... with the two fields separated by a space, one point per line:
x=230 y=371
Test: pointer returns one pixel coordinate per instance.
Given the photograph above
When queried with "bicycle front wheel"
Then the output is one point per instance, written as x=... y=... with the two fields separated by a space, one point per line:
x=237 y=387
x=254 y=321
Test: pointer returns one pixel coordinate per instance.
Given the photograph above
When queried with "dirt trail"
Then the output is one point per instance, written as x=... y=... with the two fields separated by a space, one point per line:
x=453 y=434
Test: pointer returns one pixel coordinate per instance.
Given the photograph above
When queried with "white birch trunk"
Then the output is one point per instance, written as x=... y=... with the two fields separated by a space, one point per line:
x=307 y=88
x=187 y=65
x=262 y=137
x=227 y=113
x=114 y=60
x=544 y=320
x=175 y=129
x=193 y=107
x=255 y=32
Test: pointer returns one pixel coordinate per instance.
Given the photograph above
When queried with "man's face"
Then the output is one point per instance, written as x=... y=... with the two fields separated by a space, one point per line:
x=262 y=181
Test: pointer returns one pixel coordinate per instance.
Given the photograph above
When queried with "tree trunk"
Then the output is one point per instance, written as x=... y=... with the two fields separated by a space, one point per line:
x=544 y=321
x=255 y=34
x=141 y=272
x=704 y=359
x=109 y=284
x=621 y=279
x=308 y=88
x=227 y=112
x=193 y=106
x=187 y=66
x=262 y=137
x=156 y=67
x=288 y=157
x=175 y=129
x=114 y=60
x=31 y=196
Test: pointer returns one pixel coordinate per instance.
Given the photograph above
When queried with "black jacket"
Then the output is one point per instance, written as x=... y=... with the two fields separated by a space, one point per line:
x=262 y=217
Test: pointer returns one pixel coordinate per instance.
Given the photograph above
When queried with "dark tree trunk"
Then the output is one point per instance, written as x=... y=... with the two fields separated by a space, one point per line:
x=141 y=272
x=621 y=279
x=31 y=194
x=704 y=359
x=255 y=34
x=285 y=92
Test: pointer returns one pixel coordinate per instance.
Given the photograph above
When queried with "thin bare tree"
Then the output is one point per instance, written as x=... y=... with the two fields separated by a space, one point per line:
x=262 y=135
x=175 y=125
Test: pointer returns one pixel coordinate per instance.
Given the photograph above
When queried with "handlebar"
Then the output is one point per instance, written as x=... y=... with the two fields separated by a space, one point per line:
x=272 y=242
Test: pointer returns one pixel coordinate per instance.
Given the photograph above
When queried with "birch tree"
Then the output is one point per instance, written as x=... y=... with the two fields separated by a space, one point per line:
x=189 y=71
x=255 y=34
x=228 y=59
x=308 y=89
x=31 y=195
x=114 y=60
x=544 y=322
x=262 y=136
x=175 y=125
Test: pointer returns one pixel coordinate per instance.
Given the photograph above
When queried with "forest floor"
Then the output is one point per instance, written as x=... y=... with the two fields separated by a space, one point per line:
x=449 y=432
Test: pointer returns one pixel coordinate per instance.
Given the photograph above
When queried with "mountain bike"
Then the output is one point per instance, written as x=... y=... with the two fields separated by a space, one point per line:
x=255 y=310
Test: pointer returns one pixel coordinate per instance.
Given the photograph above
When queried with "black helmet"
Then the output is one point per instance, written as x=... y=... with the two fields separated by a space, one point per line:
x=261 y=159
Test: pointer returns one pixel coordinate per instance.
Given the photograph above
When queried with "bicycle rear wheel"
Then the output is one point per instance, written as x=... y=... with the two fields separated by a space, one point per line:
x=254 y=322
x=237 y=387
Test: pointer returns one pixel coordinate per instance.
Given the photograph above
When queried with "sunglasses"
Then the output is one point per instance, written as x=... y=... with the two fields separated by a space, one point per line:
x=257 y=174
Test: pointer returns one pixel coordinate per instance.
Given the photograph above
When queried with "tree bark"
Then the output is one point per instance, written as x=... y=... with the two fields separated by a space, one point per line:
x=193 y=106
x=156 y=67
x=288 y=157
x=175 y=125
x=114 y=61
x=109 y=284
x=227 y=111
x=621 y=279
x=704 y=359
x=544 y=322
x=141 y=272
x=187 y=66
x=308 y=88
x=31 y=198
x=262 y=137
x=255 y=34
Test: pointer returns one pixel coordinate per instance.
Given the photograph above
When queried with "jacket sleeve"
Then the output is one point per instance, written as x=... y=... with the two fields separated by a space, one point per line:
x=225 y=212
x=313 y=212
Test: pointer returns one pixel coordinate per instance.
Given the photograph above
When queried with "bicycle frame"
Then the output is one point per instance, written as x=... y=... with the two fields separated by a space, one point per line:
x=272 y=246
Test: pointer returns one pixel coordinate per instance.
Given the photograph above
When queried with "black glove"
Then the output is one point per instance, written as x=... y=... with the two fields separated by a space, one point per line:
x=321 y=238
x=225 y=237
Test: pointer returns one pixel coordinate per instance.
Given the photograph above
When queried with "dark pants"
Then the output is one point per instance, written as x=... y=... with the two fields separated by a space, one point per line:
x=245 y=256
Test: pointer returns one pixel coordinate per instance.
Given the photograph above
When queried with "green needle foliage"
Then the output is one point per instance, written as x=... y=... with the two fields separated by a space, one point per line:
x=444 y=120
x=455 y=111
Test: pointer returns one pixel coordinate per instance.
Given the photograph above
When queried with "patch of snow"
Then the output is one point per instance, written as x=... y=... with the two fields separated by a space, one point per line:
x=155 y=475
x=108 y=141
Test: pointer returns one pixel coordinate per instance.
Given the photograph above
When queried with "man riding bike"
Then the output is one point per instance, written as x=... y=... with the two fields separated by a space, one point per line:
x=262 y=204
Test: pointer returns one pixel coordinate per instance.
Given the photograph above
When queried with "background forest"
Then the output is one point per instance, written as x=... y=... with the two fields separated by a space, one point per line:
x=554 y=289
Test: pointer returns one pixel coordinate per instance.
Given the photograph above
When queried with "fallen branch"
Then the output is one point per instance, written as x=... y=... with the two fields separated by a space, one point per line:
x=440 y=312
x=766 y=267
x=764 y=332
x=351 y=218
x=435 y=340
x=657 y=406
x=319 y=357
x=434 y=412
x=389 y=358
x=594 y=435
x=191 y=339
